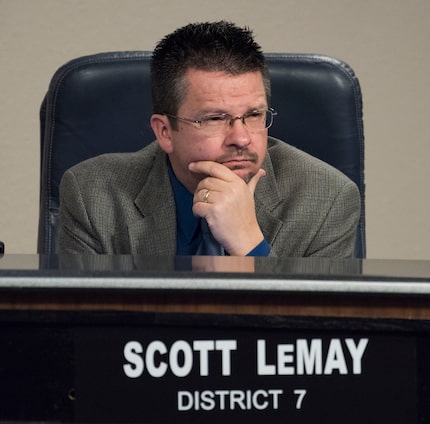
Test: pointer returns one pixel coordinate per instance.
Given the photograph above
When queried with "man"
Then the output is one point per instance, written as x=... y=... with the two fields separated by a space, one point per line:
x=212 y=166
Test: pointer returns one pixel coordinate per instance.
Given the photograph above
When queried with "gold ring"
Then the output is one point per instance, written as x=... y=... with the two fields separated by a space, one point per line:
x=206 y=195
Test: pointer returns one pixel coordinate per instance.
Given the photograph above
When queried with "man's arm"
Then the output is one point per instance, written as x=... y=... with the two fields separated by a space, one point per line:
x=76 y=234
x=337 y=233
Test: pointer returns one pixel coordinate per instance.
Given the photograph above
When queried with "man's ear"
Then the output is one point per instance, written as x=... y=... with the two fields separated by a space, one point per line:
x=162 y=129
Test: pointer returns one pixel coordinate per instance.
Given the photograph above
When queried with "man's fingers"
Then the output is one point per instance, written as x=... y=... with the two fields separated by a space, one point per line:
x=209 y=168
x=217 y=170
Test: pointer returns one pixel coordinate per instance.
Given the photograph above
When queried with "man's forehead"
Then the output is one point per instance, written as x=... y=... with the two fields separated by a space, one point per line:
x=217 y=87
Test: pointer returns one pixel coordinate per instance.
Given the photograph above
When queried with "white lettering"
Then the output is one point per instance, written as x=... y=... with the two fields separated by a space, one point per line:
x=309 y=360
x=307 y=357
x=153 y=348
x=181 y=348
x=257 y=405
x=335 y=358
x=302 y=357
x=185 y=401
x=222 y=394
x=208 y=400
x=226 y=347
x=179 y=358
x=131 y=353
x=262 y=367
x=237 y=397
x=204 y=347
x=285 y=356
x=356 y=353
x=275 y=395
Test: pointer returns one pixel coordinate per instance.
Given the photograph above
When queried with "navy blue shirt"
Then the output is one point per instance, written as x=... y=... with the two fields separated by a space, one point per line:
x=187 y=224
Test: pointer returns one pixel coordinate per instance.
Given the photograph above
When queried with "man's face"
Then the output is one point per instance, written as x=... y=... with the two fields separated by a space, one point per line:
x=237 y=148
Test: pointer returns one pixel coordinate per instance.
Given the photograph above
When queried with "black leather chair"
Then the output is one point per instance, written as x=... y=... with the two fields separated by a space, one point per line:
x=102 y=103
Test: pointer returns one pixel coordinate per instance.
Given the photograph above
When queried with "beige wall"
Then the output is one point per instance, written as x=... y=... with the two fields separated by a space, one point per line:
x=385 y=41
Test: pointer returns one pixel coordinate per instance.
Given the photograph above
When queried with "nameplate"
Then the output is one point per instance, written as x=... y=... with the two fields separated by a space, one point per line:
x=166 y=374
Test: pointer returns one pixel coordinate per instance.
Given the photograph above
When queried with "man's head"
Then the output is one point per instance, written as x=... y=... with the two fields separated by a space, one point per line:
x=217 y=46
x=211 y=98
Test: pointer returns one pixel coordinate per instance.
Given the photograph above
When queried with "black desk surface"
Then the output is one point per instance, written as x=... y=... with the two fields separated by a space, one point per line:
x=217 y=273
x=190 y=340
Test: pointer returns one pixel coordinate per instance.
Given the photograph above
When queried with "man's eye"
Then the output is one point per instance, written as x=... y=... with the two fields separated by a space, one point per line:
x=255 y=114
x=214 y=119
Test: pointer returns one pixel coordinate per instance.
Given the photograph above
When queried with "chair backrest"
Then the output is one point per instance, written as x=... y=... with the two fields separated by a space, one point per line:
x=102 y=103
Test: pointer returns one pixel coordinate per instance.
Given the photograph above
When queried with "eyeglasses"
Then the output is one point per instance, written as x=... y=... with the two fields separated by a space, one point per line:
x=219 y=123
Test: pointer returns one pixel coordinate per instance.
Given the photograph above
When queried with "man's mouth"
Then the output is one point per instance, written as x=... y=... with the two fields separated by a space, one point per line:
x=237 y=163
x=238 y=159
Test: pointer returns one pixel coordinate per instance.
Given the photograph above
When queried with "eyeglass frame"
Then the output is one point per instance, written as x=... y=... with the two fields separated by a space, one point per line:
x=232 y=118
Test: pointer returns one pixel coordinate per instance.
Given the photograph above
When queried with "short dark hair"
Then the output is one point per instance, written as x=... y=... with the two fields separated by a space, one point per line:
x=210 y=46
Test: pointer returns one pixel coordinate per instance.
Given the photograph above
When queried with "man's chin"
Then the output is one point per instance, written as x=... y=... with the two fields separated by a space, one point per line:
x=245 y=174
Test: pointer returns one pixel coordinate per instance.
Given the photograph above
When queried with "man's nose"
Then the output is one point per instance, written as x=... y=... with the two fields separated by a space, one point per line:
x=238 y=134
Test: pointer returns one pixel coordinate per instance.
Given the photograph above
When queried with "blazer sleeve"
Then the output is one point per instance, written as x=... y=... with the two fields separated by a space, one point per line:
x=76 y=233
x=337 y=232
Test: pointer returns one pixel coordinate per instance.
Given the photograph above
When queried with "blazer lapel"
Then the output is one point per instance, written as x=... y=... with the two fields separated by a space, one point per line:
x=267 y=198
x=155 y=233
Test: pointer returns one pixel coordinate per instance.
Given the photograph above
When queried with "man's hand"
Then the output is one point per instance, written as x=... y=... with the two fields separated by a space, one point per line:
x=226 y=201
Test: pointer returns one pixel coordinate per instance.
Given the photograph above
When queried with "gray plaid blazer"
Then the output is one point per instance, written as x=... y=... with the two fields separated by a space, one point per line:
x=122 y=203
